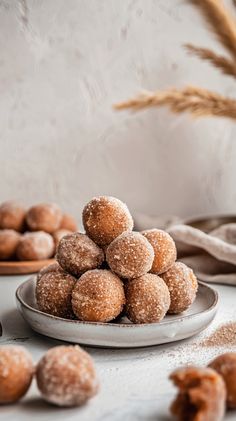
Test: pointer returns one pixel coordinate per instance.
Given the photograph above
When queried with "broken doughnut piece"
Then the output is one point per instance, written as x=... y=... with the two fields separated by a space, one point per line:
x=201 y=395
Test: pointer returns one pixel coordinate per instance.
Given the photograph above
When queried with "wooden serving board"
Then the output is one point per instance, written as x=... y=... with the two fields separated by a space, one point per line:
x=22 y=268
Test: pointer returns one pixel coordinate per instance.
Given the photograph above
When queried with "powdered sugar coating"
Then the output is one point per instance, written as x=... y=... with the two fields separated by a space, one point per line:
x=12 y=216
x=53 y=267
x=225 y=365
x=105 y=218
x=66 y=376
x=9 y=240
x=35 y=246
x=44 y=216
x=183 y=285
x=164 y=250
x=147 y=299
x=16 y=372
x=201 y=395
x=68 y=223
x=98 y=296
x=53 y=293
x=223 y=336
x=77 y=253
x=130 y=255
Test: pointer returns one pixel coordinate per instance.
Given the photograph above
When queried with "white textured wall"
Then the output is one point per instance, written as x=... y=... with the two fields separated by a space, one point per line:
x=62 y=65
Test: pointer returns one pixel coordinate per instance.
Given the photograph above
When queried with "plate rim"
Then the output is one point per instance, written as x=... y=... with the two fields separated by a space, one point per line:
x=116 y=325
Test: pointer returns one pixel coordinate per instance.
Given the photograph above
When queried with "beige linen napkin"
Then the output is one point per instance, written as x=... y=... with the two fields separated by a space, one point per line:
x=212 y=256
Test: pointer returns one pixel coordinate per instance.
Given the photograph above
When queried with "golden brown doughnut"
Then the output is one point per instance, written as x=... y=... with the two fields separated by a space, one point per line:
x=105 y=218
x=9 y=240
x=182 y=284
x=66 y=376
x=44 y=217
x=53 y=293
x=68 y=223
x=35 y=246
x=164 y=250
x=77 y=253
x=16 y=372
x=147 y=299
x=98 y=296
x=12 y=216
x=130 y=255
x=53 y=267
x=201 y=395
x=225 y=365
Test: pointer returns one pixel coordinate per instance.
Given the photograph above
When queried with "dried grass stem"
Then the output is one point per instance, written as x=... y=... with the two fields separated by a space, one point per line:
x=196 y=101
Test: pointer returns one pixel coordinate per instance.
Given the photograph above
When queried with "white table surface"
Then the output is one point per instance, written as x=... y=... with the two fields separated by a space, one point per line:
x=134 y=383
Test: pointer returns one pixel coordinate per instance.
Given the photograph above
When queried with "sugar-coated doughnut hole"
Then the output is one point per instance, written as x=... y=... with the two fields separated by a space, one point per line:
x=68 y=223
x=16 y=372
x=9 y=240
x=35 y=246
x=12 y=216
x=59 y=234
x=225 y=365
x=53 y=267
x=147 y=299
x=77 y=253
x=201 y=395
x=44 y=217
x=98 y=296
x=182 y=284
x=54 y=292
x=66 y=376
x=164 y=250
x=130 y=255
x=105 y=218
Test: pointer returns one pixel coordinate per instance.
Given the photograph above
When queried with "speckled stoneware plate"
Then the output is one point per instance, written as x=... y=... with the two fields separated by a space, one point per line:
x=121 y=334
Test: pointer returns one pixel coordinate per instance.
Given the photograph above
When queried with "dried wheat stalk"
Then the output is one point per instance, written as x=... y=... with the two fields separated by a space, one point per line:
x=196 y=101
x=220 y=21
x=227 y=66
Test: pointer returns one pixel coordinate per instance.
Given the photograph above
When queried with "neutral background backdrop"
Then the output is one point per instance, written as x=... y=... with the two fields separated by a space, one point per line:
x=62 y=66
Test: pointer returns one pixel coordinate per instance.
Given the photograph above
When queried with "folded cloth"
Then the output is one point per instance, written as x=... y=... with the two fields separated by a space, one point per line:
x=211 y=255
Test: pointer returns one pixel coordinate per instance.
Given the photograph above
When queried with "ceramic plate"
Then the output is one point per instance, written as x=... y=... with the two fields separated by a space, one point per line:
x=122 y=334
x=22 y=268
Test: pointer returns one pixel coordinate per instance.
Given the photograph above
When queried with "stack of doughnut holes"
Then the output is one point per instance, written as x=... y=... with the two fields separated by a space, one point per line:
x=32 y=234
x=111 y=271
